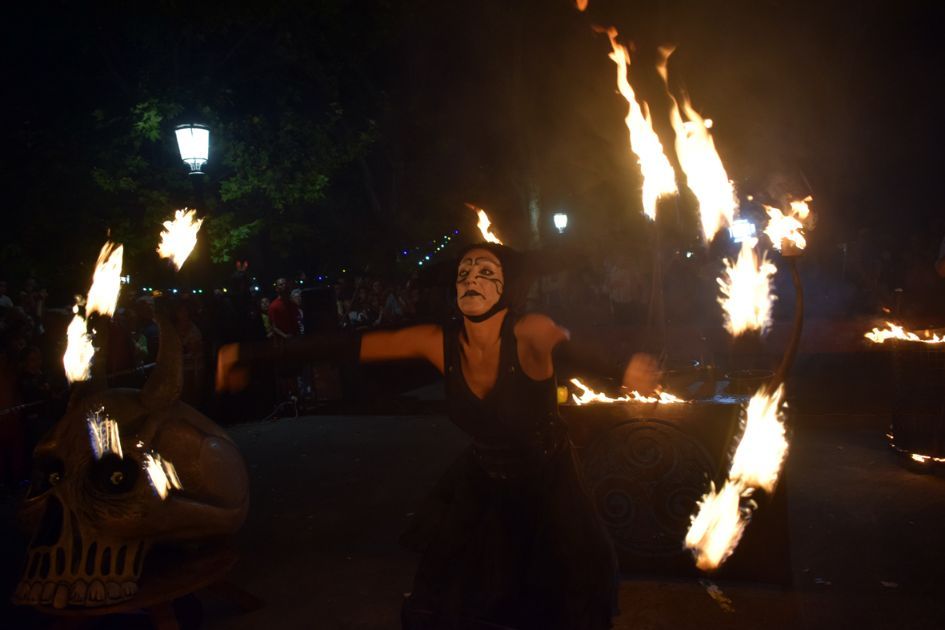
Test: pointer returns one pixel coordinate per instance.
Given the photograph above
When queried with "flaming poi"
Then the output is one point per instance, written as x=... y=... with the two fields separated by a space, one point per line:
x=700 y=161
x=659 y=178
x=179 y=236
x=102 y=298
x=720 y=518
x=745 y=288
x=786 y=231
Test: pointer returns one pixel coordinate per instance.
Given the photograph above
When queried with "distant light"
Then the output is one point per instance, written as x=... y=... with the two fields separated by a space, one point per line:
x=173 y=290
x=750 y=197
x=256 y=288
x=561 y=221
x=193 y=142
x=420 y=263
x=688 y=254
x=403 y=253
x=455 y=231
x=427 y=257
x=126 y=279
x=741 y=230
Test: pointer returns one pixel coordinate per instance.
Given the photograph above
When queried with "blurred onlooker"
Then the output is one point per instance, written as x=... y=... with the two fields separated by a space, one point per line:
x=264 y=317
x=33 y=387
x=296 y=297
x=192 y=353
x=283 y=312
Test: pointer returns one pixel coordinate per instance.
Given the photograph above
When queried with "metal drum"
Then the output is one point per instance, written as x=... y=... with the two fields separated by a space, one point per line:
x=918 y=419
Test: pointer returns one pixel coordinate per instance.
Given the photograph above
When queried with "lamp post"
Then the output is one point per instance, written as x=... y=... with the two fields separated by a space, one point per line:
x=193 y=141
x=561 y=221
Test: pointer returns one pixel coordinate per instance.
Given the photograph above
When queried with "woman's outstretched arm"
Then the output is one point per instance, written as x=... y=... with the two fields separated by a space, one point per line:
x=234 y=361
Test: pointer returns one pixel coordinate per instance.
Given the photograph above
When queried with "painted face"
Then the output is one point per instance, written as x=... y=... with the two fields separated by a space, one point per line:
x=479 y=282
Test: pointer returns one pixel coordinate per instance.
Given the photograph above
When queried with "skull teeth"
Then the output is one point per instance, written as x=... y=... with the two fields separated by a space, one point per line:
x=49 y=589
x=61 y=598
x=77 y=594
x=96 y=593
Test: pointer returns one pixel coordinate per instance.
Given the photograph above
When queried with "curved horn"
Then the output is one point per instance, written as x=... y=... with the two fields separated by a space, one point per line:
x=166 y=381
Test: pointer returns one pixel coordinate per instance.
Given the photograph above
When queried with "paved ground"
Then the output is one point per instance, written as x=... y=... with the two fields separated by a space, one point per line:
x=331 y=493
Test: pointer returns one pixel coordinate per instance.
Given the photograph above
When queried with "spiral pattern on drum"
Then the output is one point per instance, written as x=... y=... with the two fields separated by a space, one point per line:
x=644 y=477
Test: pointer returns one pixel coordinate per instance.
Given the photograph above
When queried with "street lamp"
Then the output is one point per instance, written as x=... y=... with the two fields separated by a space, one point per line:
x=193 y=141
x=561 y=222
x=741 y=230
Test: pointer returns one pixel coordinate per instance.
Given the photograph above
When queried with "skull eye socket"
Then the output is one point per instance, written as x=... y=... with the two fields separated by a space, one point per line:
x=47 y=472
x=113 y=474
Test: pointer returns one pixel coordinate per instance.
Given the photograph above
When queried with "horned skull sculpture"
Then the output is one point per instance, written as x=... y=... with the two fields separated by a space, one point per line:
x=102 y=496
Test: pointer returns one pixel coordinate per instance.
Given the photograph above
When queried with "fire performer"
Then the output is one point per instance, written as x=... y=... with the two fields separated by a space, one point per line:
x=510 y=538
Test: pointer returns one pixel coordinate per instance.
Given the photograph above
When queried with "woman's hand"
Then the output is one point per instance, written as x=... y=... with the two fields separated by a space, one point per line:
x=642 y=374
x=231 y=376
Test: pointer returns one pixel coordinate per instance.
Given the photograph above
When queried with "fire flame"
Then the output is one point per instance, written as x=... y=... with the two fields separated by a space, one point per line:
x=161 y=474
x=77 y=359
x=745 y=287
x=590 y=396
x=700 y=161
x=581 y=4
x=103 y=433
x=786 y=230
x=893 y=331
x=102 y=298
x=484 y=225
x=179 y=237
x=106 y=281
x=763 y=446
x=659 y=178
x=717 y=526
x=720 y=520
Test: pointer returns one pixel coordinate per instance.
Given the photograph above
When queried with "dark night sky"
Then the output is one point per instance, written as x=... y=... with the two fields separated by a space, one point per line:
x=473 y=98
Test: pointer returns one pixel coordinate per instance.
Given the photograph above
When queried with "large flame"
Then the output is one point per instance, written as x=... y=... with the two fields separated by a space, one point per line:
x=659 y=178
x=161 y=473
x=102 y=298
x=484 y=225
x=179 y=236
x=106 y=281
x=700 y=161
x=894 y=331
x=717 y=526
x=745 y=287
x=103 y=433
x=787 y=230
x=720 y=520
x=77 y=359
x=590 y=396
x=763 y=446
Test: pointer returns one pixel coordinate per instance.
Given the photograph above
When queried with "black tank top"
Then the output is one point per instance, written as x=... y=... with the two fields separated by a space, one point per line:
x=515 y=427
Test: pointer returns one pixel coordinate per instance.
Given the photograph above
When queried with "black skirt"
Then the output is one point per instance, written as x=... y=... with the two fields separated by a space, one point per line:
x=527 y=552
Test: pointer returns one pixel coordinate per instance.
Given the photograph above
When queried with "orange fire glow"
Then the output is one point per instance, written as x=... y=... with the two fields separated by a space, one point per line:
x=581 y=4
x=720 y=519
x=162 y=474
x=659 y=178
x=786 y=231
x=179 y=236
x=700 y=161
x=894 y=331
x=484 y=225
x=745 y=288
x=590 y=396
x=717 y=526
x=102 y=298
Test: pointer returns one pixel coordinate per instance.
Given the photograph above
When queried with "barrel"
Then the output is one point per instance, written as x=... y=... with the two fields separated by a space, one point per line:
x=918 y=418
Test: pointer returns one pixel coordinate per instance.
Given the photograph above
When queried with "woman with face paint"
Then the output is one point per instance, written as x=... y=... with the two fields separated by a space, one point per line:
x=510 y=538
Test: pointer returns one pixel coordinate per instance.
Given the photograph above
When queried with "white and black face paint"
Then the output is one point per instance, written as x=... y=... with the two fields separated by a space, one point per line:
x=480 y=282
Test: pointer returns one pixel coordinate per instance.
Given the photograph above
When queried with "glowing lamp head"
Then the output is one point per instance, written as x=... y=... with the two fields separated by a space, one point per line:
x=741 y=230
x=561 y=222
x=193 y=141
